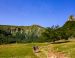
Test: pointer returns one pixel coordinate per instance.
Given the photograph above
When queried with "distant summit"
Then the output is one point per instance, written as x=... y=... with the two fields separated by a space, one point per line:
x=70 y=24
x=71 y=18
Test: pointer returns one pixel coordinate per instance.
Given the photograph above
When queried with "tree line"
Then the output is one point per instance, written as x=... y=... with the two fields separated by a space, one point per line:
x=37 y=33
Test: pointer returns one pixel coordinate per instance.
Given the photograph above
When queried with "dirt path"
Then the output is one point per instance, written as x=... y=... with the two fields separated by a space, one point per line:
x=56 y=55
x=47 y=52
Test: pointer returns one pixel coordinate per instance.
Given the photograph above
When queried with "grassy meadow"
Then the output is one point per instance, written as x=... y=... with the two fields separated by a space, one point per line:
x=26 y=51
x=68 y=48
x=18 y=50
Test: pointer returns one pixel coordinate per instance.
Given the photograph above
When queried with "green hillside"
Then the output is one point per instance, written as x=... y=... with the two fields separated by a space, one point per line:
x=36 y=33
x=12 y=34
x=69 y=25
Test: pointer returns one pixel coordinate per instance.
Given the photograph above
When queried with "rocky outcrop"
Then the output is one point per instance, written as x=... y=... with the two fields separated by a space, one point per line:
x=71 y=18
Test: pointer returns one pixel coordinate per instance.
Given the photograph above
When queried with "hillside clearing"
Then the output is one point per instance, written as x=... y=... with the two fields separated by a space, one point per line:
x=18 y=50
x=46 y=49
x=62 y=50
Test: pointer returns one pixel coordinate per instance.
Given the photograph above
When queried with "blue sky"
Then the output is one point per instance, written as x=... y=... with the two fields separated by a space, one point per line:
x=41 y=12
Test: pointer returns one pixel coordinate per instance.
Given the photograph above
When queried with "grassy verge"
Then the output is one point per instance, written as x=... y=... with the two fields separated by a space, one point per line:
x=18 y=50
x=26 y=50
x=67 y=48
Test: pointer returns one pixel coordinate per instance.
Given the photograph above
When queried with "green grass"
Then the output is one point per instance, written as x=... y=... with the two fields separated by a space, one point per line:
x=67 y=48
x=26 y=50
x=18 y=50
